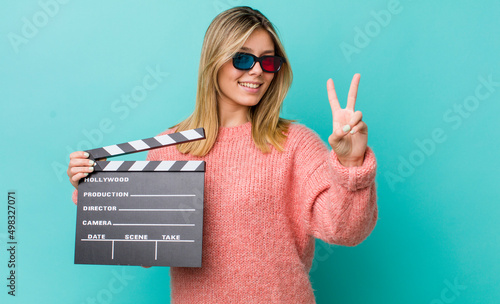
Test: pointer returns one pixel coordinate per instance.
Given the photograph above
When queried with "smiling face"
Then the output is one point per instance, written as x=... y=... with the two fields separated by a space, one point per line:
x=243 y=89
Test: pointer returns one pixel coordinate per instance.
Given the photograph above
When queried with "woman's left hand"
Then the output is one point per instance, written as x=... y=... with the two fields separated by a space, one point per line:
x=350 y=134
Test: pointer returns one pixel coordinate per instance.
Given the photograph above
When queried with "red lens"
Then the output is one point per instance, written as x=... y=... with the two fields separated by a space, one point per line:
x=271 y=64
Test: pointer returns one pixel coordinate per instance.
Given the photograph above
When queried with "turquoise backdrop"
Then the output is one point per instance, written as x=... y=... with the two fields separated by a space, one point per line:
x=429 y=92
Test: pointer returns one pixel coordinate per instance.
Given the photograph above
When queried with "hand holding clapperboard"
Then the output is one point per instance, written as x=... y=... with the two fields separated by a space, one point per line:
x=141 y=212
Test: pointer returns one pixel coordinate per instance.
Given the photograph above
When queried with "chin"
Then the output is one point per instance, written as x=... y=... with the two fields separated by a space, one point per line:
x=250 y=103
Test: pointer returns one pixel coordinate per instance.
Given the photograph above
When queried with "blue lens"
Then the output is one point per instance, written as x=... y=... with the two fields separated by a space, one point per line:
x=243 y=61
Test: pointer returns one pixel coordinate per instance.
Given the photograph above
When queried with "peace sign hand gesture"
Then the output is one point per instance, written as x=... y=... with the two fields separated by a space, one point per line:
x=350 y=146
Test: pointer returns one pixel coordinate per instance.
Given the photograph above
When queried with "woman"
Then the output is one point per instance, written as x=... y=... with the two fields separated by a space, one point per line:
x=271 y=186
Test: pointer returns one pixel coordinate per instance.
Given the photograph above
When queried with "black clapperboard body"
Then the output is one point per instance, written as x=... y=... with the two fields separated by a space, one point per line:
x=146 y=213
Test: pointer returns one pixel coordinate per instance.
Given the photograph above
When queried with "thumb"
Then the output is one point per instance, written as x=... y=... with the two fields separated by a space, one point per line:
x=338 y=134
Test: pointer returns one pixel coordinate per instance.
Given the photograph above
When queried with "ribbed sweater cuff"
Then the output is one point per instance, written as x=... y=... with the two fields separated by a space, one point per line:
x=354 y=178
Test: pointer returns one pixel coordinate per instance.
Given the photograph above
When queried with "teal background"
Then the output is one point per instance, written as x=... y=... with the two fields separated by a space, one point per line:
x=438 y=206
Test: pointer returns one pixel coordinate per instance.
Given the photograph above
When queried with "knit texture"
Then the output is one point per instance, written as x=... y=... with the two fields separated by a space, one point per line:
x=263 y=211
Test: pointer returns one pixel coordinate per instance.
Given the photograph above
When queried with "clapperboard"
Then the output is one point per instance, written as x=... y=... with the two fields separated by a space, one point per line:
x=146 y=213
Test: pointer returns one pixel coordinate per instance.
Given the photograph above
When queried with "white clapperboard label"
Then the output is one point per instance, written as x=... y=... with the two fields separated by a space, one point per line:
x=142 y=212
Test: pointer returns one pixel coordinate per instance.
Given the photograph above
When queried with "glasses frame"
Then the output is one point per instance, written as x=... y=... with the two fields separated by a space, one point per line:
x=259 y=60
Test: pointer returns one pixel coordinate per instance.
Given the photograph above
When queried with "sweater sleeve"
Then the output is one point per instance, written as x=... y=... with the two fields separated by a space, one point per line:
x=337 y=204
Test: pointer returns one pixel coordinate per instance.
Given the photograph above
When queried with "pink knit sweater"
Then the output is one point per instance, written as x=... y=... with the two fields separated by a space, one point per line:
x=263 y=211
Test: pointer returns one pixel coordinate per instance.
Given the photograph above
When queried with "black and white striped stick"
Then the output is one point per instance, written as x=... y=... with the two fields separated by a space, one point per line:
x=147 y=144
x=150 y=166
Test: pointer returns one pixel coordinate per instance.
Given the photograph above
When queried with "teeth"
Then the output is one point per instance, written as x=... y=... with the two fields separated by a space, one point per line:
x=249 y=85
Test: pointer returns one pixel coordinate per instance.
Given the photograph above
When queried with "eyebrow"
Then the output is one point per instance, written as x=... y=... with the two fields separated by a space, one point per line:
x=250 y=50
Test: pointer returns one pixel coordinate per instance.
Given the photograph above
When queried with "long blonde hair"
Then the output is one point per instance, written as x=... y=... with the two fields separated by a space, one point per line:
x=224 y=37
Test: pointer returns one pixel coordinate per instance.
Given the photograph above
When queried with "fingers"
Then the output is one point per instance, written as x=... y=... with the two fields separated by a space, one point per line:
x=361 y=127
x=353 y=92
x=79 y=166
x=355 y=118
x=77 y=177
x=76 y=170
x=81 y=162
x=332 y=95
x=79 y=154
x=355 y=125
x=336 y=136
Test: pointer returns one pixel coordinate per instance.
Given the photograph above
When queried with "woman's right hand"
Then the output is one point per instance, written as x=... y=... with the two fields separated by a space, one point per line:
x=79 y=166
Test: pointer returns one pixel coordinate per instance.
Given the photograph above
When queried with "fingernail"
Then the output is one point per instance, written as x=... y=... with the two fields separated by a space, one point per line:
x=352 y=131
x=346 y=128
x=91 y=162
x=86 y=154
x=91 y=169
x=85 y=174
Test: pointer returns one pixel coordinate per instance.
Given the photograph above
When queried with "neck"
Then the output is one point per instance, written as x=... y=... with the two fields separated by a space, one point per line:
x=232 y=121
x=232 y=116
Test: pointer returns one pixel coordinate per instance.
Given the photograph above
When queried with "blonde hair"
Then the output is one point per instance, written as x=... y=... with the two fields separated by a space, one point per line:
x=224 y=37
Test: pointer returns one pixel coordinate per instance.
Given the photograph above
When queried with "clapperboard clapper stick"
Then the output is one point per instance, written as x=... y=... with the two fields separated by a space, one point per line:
x=141 y=212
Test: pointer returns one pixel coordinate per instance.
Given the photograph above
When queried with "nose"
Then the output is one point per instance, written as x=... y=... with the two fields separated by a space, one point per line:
x=256 y=69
